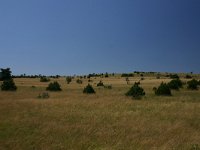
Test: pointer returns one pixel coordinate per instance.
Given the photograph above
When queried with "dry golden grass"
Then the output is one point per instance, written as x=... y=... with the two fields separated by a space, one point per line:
x=107 y=120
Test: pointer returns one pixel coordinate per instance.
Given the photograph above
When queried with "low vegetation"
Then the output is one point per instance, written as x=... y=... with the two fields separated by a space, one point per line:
x=136 y=91
x=188 y=76
x=163 y=89
x=174 y=76
x=54 y=86
x=100 y=83
x=32 y=118
x=89 y=89
x=193 y=84
x=79 y=81
x=108 y=86
x=44 y=79
x=69 y=80
x=8 y=85
x=43 y=95
x=175 y=84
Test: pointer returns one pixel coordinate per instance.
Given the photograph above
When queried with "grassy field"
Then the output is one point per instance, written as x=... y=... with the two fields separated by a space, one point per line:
x=107 y=120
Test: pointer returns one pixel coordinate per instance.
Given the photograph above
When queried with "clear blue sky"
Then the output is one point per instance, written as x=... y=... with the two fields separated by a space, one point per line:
x=85 y=36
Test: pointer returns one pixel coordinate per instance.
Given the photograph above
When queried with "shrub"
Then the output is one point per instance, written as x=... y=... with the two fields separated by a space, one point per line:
x=44 y=79
x=135 y=91
x=127 y=80
x=43 y=95
x=157 y=77
x=90 y=80
x=174 y=76
x=79 y=81
x=193 y=84
x=55 y=86
x=106 y=75
x=163 y=89
x=88 y=89
x=175 y=84
x=108 y=86
x=8 y=85
x=188 y=76
x=100 y=83
x=69 y=80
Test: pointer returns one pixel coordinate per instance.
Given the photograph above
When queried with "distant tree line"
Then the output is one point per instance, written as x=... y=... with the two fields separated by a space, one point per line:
x=127 y=75
x=142 y=72
x=35 y=76
x=100 y=75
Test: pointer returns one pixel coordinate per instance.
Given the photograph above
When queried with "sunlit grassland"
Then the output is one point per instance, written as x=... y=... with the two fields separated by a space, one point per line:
x=106 y=120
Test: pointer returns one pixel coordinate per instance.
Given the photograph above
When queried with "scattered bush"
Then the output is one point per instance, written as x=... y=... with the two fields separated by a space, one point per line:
x=8 y=85
x=135 y=91
x=157 y=77
x=90 y=80
x=100 y=83
x=163 y=89
x=193 y=84
x=79 y=81
x=174 y=76
x=69 y=80
x=175 y=84
x=55 y=86
x=44 y=79
x=43 y=95
x=188 y=76
x=108 y=86
x=106 y=75
x=88 y=89
x=127 y=80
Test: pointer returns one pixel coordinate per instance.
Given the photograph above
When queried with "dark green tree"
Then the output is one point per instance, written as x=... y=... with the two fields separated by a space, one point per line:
x=193 y=84
x=163 y=89
x=55 y=86
x=136 y=91
x=8 y=85
x=89 y=89
x=5 y=74
x=175 y=84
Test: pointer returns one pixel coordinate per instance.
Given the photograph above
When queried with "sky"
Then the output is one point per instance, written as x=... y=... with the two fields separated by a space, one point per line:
x=69 y=37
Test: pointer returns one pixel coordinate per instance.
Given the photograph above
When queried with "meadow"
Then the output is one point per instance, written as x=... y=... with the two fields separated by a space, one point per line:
x=107 y=120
